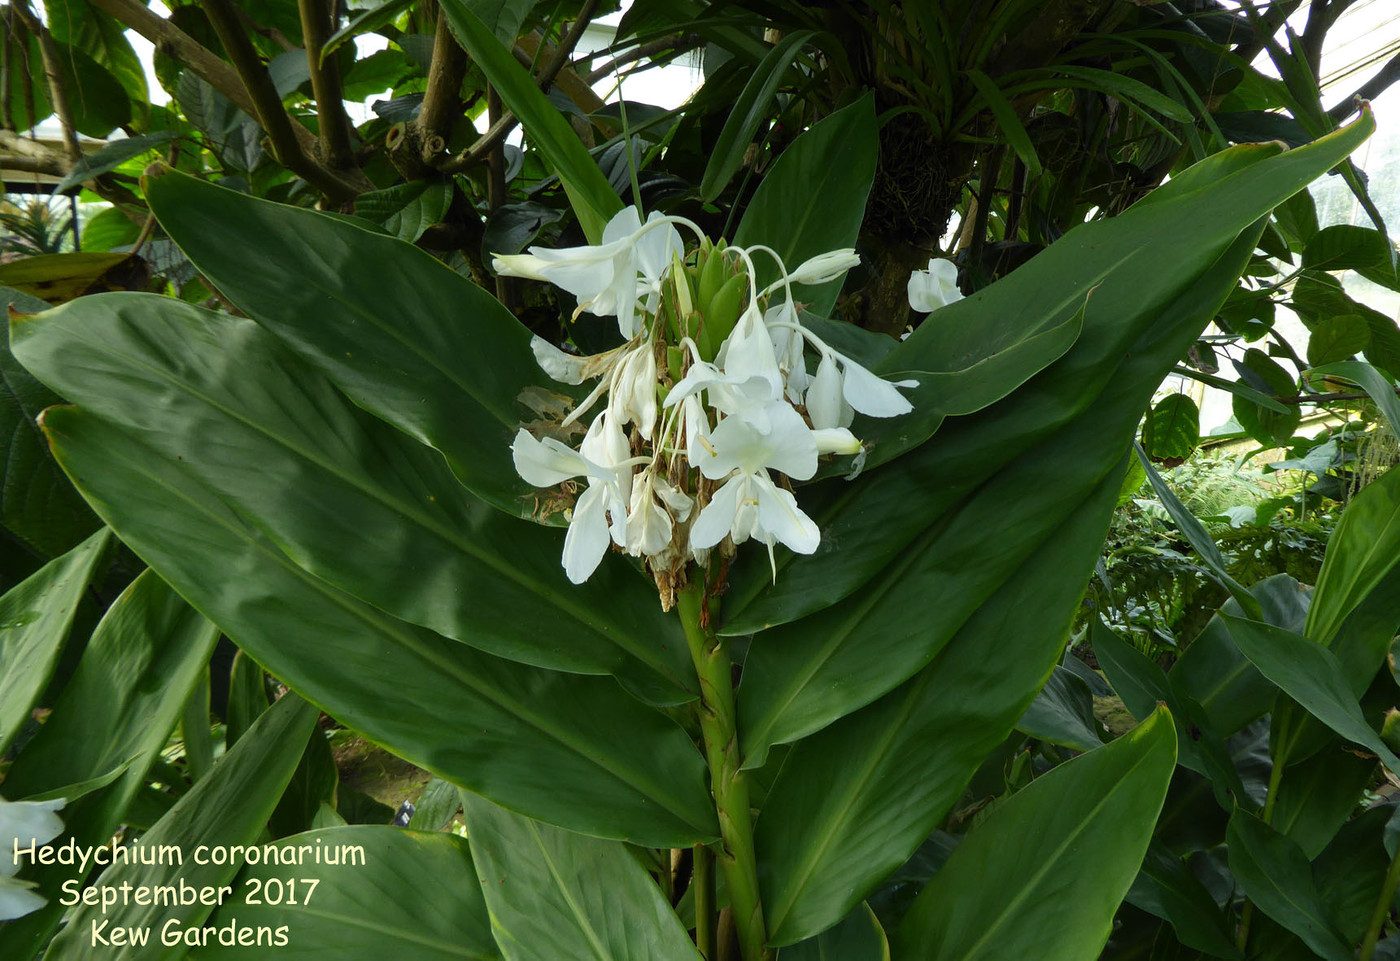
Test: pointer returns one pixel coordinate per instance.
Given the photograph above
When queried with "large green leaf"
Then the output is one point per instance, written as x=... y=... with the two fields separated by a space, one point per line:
x=558 y=896
x=393 y=893
x=822 y=851
x=868 y=642
x=229 y=807
x=35 y=618
x=1314 y=677
x=82 y=26
x=1316 y=796
x=1123 y=274
x=569 y=749
x=1166 y=888
x=591 y=195
x=115 y=714
x=1043 y=875
x=406 y=337
x=1275 y=875
x=813 y=199
x=1361 y=553
x=1380 y=386
x=355 y=502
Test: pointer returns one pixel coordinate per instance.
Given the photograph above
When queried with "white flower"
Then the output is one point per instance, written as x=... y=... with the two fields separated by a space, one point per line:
x=23 y=823
x=604 y=277
x=649 y=524
x=600 y=513
x=788 y=346
x=836 y=393
x=935 y=287
x=749 y=504
x=632 y=395
x=825 y=267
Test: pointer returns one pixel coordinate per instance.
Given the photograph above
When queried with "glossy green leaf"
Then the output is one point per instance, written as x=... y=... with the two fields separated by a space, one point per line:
x=821 y=852
x=366 y=21
x=1063 y=713
x=1213 y=672
x=393 y=893
x=1124 y=273
x=557 y=895
x=1165 y=887
x=1337 y=339
x=54 y=278
x=431 y=353
x=247 y=697
x=1134 y=91
x=317 y=474
x=1275 y=875
x=511 y=732
x=1173 y=428
x=1043 y=875
x=436 y=806
x=1374 y=382
x=1349 y=247
x=406 y=210
x=1361 y=553
x=35 y=618
x=116 y=713
x=1311 y=675
x=546 y=129
x=858 y=938
x=1265 y=425
x=111 y=157
x=97 y=101
x=754 y=103
x=312 y=789
x=812 y=200
x=84 y=27
x=195 y=730
x=1316 y=796
x=229 y=807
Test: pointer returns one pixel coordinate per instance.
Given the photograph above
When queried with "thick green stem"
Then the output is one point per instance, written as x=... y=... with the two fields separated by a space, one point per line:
x=703 y=881
x=1373 y=930
x=728 y=784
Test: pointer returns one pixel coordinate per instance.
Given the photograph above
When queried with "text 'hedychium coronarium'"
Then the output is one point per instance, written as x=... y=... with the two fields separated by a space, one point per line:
x=702 y=418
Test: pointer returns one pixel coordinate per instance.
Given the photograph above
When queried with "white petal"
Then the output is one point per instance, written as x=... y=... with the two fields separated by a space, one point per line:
x=648 y=524
x=871 y=395
x=748 y=353
x=519 y=265
x=934 y=288
x=565 y=368
x=544 y=463
x=623 y=225
x=587 y=539
x=825 y=405
x=17 y=900
x=778 y=439
x=716 y=520
x=836 y=440
x=779 y=515
x=25 y=823
x=825 y=267
x=656 y=247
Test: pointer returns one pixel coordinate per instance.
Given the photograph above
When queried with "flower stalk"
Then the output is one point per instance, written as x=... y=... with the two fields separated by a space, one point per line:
x=728 y=784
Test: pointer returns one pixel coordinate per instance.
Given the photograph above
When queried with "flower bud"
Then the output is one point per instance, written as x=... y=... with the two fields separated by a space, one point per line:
x=825 y=267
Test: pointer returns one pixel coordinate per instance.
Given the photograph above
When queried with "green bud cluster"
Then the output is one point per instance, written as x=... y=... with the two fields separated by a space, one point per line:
x=704 y=300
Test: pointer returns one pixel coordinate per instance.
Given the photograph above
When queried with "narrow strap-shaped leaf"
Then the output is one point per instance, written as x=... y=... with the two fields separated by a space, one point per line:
x=35 y=618
x=1010 y=124
x=1276 y=876
x=1311 y=675
x=1043 y=875
x=593 y=199
x=748 y=112
x=1378 y=385
x=570 y=749
x=562 y=896
x=1196 y=533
